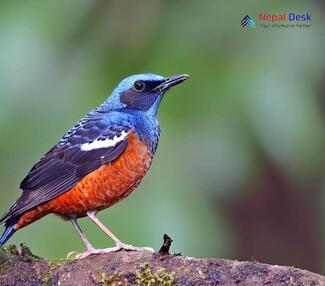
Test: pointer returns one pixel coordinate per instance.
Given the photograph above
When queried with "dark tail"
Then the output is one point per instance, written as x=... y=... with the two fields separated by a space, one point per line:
x=7 y=234
x=9 y=221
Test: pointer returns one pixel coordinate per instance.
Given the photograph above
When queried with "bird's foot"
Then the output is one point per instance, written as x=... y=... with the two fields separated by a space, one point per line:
x=89 y=252
x=117 y=247
x=81 y=255
x=129 y=247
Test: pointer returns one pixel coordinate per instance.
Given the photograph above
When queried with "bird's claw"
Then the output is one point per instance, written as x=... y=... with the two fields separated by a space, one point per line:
x=72 y=254
x=134 y=248
x=80 y=255
x=118 y=247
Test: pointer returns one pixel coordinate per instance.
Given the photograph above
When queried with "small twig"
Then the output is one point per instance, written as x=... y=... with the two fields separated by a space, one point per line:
x=164 y=250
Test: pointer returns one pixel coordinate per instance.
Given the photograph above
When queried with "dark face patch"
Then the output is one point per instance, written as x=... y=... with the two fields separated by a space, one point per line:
x=141 y=100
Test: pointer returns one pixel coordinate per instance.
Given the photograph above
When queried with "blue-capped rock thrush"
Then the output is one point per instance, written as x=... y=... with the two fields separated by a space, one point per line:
x=97 y=163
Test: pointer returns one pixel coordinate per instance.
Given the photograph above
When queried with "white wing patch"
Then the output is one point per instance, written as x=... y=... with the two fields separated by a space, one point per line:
x=98 y=144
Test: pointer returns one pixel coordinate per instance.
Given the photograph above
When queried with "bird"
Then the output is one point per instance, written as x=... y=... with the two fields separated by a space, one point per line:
x=97 y=163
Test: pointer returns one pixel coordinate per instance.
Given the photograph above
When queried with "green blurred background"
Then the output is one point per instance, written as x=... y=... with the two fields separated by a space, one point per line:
x=239 y=171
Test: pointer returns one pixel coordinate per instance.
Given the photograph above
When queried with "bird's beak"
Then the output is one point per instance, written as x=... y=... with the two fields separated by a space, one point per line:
x=171 y=81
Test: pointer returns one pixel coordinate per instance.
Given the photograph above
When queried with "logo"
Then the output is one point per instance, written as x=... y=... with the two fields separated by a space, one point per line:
x=306 y=17
x=248 y=21
x=278 y=20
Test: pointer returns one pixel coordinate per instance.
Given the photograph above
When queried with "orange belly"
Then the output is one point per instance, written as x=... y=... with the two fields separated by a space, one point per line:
x=99 y=189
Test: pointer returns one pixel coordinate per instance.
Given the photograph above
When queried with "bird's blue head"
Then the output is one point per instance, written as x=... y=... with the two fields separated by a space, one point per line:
x=142 y=92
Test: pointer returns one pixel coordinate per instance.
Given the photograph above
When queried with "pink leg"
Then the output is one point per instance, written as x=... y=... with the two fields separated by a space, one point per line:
x=91 y=250
x=92 y=216
x=90 y=247
x=118 y=244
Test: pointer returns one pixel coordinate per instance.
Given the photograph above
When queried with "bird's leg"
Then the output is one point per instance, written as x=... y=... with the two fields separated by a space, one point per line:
x=90 y=248
x=82 y=235
x=92 y=216
x=118 y=244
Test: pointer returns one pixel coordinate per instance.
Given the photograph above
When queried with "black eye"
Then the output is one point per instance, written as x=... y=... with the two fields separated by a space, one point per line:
x=139 y=85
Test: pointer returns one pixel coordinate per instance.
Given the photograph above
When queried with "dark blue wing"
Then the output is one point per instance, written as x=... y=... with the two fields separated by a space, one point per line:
x=68 y=162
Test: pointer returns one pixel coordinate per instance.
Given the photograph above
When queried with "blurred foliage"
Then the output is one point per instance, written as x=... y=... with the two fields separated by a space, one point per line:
x=239 y=171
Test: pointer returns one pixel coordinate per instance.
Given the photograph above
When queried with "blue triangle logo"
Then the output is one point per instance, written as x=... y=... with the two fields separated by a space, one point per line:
x=248 y=21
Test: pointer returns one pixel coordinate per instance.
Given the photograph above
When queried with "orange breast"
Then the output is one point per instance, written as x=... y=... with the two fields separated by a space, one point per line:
x=101 y=188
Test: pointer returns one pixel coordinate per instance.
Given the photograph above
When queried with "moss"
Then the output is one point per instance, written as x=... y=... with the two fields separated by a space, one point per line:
x=22 y=251
x=162 y=277
x=25 y=252
x=111 y=280
x=6 y=260
x=58 y=262
x=4 y=266
x=46 y=277
x=10 y=249
x=145 y=277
